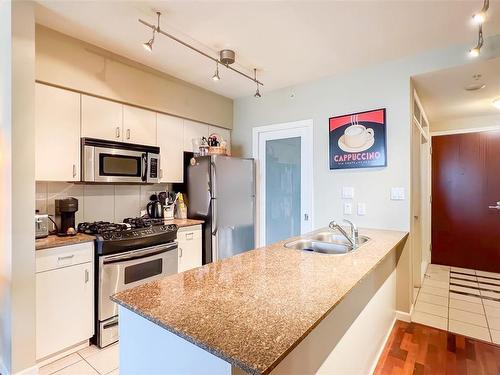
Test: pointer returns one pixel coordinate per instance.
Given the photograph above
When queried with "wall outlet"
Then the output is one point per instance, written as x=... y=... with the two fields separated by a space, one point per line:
x=397 y=194
x=361 y=209
x=348 y=208
x=347 y=192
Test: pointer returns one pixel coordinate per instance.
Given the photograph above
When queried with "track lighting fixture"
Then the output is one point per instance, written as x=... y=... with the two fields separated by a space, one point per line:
x=216 y=77
x=476 y=51
x=148 y=46
x=257 y=92
x=479 y=17
x=226 y=56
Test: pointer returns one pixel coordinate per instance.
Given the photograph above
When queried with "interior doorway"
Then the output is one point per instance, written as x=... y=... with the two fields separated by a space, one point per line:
x=420 y=193
x=284 y=156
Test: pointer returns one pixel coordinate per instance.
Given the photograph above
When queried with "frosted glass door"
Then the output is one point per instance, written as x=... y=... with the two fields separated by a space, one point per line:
x=283 y=218
x=284 y=160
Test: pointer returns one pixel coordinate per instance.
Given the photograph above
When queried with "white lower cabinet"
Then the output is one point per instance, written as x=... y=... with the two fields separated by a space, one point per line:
x=64 y=298
x=189 y=241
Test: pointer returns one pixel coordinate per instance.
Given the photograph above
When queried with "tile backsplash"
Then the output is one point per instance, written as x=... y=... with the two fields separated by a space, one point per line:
x=98 y=202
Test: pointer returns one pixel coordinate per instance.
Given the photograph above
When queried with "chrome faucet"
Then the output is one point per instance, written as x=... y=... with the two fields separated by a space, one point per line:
x=353 y=238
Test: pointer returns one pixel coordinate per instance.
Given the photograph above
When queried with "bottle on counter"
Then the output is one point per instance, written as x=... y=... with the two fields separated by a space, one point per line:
x=180 y=207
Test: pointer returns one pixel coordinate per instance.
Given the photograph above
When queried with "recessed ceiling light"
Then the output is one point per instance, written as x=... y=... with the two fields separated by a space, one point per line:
x=496 y=103
x=475 y=86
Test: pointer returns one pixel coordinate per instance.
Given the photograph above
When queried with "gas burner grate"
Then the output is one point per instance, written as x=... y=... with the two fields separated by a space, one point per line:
x=100 y=227
x=142 y=222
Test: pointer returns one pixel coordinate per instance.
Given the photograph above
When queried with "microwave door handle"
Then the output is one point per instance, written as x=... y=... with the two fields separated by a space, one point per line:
x=145 y=167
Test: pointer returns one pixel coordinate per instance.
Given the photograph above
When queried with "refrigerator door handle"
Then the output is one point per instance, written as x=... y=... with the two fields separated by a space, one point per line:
x=214 y=217
x=213 y=188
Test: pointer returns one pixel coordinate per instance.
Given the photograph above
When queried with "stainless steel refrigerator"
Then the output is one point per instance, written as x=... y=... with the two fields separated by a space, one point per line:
x=221 y=191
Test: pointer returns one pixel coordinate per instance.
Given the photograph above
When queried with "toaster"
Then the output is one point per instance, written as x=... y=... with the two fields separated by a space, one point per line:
x=41 y=225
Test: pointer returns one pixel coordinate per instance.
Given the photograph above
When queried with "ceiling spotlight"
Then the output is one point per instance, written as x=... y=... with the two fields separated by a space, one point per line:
x=496 y=103
x=148 y=46
x=216 y=77
x=479 y=17
x=257 y=92
x=476 y=51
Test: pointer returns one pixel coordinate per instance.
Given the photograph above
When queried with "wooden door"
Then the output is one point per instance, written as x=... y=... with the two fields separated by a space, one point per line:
x=170 y=140
x=465 y=183
x=102 y=119
x=139 y=126
x=57 y=134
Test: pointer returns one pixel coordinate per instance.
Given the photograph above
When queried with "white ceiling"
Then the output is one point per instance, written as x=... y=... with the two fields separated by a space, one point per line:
x=289 y=42
x=443 y=95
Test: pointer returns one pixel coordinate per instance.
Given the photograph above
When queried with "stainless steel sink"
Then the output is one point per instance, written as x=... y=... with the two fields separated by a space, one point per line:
x=326 y=242
x=332 y=237
x=319 y=247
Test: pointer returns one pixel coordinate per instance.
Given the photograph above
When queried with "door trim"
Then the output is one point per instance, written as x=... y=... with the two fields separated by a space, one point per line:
x=307 y=125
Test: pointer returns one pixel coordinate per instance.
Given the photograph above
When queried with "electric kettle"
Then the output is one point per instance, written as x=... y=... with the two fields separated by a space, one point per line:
x=154 y=208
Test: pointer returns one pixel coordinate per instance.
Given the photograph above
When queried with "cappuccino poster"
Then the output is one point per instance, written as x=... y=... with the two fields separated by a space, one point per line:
x=358 y=140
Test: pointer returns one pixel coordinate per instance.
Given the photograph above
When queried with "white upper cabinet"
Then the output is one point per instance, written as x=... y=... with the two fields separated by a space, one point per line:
x=139 y=126
x=224 y=133
x=57 y=134
x=193 y=130
x=102 y=119
x=170 y=139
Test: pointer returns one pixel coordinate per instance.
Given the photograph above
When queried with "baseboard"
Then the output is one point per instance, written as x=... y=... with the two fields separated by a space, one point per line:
x=382 y=347
x=33 y=370
x=404 y=316
x=63 y=353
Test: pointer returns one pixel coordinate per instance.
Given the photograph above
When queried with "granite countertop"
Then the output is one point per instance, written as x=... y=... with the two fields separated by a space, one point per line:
x=252 y=309
x=55 y=241
x=184 y=222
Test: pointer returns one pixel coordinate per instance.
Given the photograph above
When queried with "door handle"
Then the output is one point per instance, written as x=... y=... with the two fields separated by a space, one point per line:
x=86 y=276
x=306 y=217
x=180 y=252
x=497 y=207
x=66 y=257
x=128 y=133
x=74 y=170
x=117 y=132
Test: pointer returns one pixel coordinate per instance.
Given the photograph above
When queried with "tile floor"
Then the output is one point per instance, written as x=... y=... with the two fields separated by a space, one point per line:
x=461 y=301
x=88 y=361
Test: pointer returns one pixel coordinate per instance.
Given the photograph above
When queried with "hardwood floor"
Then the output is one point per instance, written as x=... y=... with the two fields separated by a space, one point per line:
x=417 y=349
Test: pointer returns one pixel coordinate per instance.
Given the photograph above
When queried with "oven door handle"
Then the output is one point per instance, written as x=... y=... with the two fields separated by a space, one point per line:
x=139 y=254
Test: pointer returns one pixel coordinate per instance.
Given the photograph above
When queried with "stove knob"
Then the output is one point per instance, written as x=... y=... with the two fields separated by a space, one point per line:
x=118 y=235
x=106 y=236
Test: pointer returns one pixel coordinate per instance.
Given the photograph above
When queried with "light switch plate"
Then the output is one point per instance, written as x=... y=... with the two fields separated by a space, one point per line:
x=361 y=209
x=347 y=192
x=347 y=208
x=397 y=193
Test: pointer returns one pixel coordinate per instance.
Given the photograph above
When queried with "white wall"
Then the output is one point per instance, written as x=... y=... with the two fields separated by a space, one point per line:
x=466 y=123
x=18 y=186
x=386 y=85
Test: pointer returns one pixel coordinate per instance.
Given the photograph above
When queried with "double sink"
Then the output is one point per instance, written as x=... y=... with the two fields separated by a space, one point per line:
x=326 y=241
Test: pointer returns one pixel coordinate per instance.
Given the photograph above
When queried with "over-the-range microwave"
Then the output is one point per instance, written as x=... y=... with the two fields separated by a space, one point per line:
x=108 y=161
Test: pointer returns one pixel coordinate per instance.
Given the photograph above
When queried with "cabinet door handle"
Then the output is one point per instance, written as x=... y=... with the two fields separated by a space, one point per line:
x=189 y=236
x=87 y=277
x=128 y=133
x=180 y=252
x=117 y=132
x=74 y=170
x=66 y=257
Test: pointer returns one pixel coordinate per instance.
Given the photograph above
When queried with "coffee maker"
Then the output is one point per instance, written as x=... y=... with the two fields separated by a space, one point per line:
x=65 y=216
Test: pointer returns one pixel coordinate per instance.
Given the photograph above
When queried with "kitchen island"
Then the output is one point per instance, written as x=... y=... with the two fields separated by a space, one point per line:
x=272 y=309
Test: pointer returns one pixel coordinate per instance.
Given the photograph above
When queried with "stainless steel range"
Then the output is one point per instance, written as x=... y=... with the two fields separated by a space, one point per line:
x=127 y=255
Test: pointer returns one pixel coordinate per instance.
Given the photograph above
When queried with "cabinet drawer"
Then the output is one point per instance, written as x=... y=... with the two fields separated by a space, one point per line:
x=64 y=256
x=189 y=233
